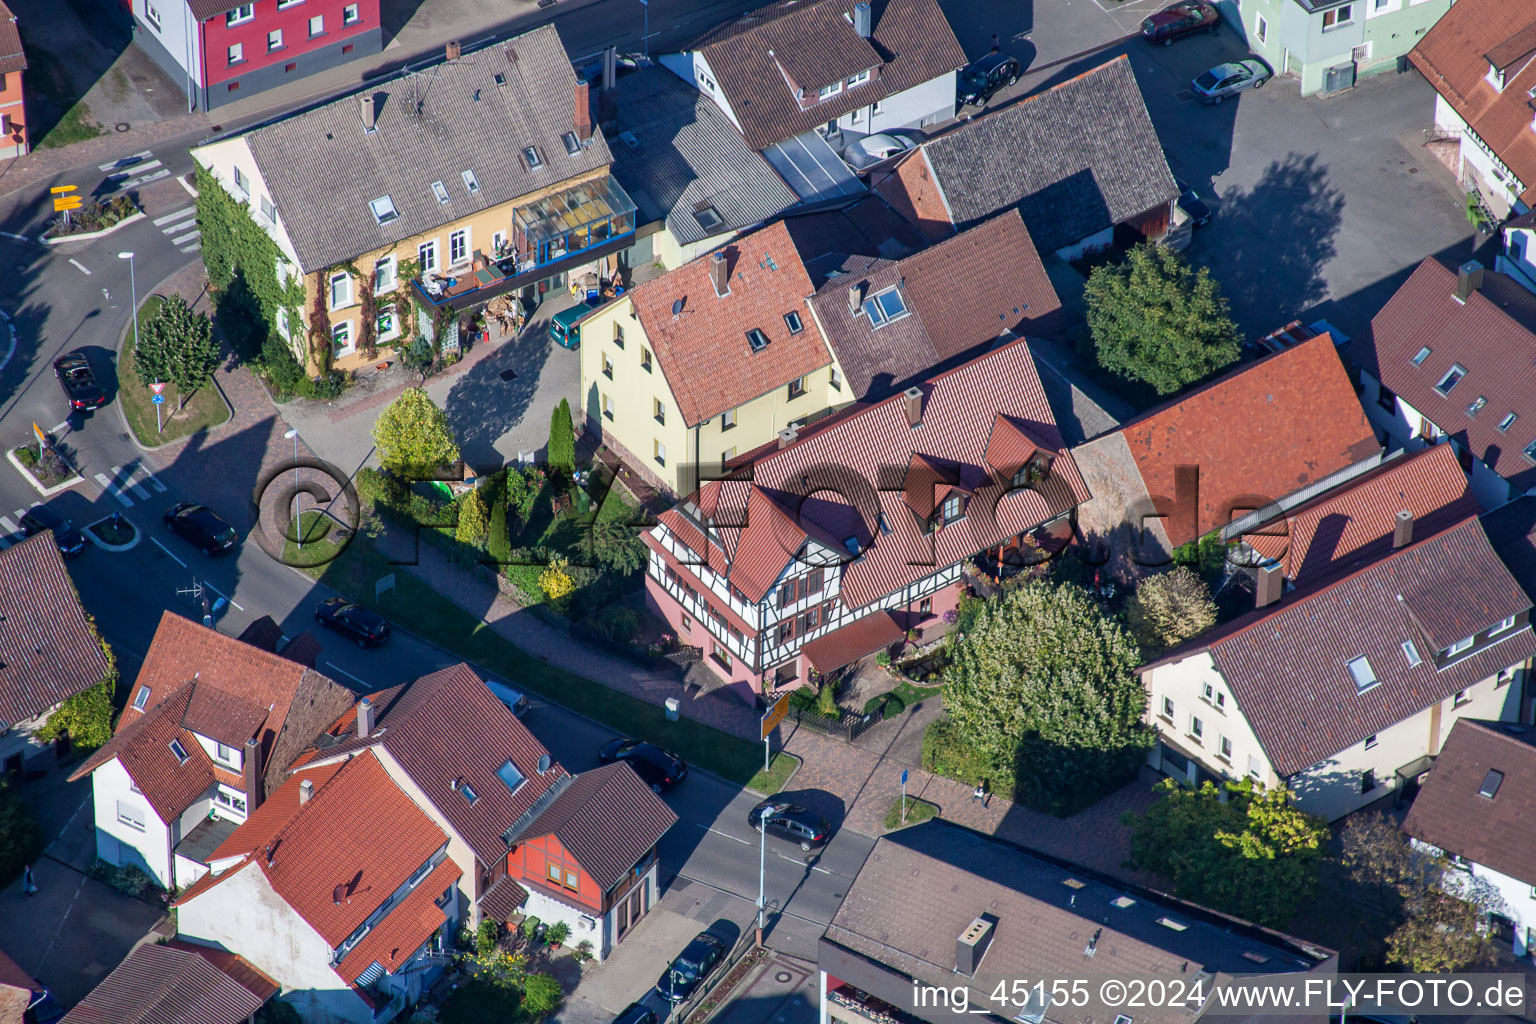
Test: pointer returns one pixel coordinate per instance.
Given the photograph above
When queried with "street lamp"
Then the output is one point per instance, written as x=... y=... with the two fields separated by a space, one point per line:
x=762 y=865
x=298 y=526
x=133 y=292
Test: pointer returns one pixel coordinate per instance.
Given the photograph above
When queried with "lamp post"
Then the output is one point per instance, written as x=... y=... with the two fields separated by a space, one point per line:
x=133 y=294
x=298 y=526
x=762 y=865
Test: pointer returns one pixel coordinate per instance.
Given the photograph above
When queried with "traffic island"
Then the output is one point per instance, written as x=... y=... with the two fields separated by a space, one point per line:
x=48 y=473
x=203 y=409
x=114 y=533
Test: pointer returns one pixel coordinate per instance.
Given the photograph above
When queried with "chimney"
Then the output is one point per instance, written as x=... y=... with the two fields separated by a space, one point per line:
x=369 y=108
x=583 y=110
x=861 y=18
x=1402 y=530
x=1469 y=279
x=855 y=297
x=788 y=436
x=364 y=718
x=720 y=274
x=972 y=944
x=914 y=406
x=306 y=790
x=1270 y=585
x=250 y=775
x=454 y=49
x=610 y=67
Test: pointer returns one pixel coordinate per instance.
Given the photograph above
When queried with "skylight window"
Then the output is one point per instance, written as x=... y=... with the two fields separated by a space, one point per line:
x=572 y=143
x=1507 y=422
x=1411 y=653
x=1361 y=672
x=141 y=698
x=1477 y=405
x=509 y=774
x=471 y=183
x=1451 y=379
x=793 y=322
x=852 y=544
x=531 y=158
x=384 y=210
x=1168 y=922
x=883 y=307
x=708 y=219
x=180 y=751
x=1423 y=354
x=1491 y=783
x=468 y=793
x=757 y=339
x=440 y=191
x=1123 y=902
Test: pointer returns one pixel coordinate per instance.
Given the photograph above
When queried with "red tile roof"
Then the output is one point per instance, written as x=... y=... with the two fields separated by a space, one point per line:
x=1450 y=811
x=48 y=652
x=12 y=56
x=1254 y=436
x=1357 y=521
x=143 y=748
x=276 y=811
x=405 y=929
x=703 y=349
x=861 y=637
x=1492 y=337
x=607 y=819
x=1455 y=55
x=173 y=984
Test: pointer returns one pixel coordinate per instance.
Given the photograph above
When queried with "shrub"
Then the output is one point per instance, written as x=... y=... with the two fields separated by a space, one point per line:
x=826 y=699
x=240 y=319
x=618 y=623
x=883 y=659
x=280 y=368
x=87 y=717
x=486 y=936
x=1169 y=608
x=557 y=933
x=474 y=519
x=498 y=544
x=947 y=752
x=562 y=440
x=555 y=581
x=541 y=994
x=886 y=705
x=583 y=951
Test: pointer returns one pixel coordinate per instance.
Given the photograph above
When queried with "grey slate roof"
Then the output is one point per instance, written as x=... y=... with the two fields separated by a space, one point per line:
x=676 y=152
x=323 y=169
x=1074 y=159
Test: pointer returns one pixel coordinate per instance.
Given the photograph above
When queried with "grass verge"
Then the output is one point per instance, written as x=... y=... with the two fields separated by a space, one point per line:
x=918 y=811
x=321 y=541
x=774 y=779
x=911 y=693
x=205 y=408
x=413 y=605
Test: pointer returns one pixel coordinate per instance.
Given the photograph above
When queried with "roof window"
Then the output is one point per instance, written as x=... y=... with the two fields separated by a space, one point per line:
x=793 y=322
x=1451 y=379
x=384 y=210
x=708 y=218
x=471 y=183
x=468 y=793
x=1123 y=902
x=1072 y=883
x=1168 y=922
x=1507 y=422
x=1411 y=653
x=1477 y=405
x=757 y=339
x=1491 y=783
x=883 y=307
x=499 y=78
x=531 y=158
x=1423 y=354
x=1530 y=451
x=440 y=191
x=1361 y=672
x=509 y=774
x=141 y=698
x=180 y=751
x=572 y=143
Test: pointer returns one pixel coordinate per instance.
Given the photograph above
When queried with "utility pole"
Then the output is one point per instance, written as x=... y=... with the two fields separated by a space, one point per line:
x=762 y=866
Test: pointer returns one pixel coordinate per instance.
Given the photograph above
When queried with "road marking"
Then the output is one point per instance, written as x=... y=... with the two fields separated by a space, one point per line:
x=226 y=597
x=822 y=870
x=80 y=266
x=12 y=234
x=164 y=172
x=349 y=675
x=10 y=330
x=152 y=480
x=184 y=238
x=193 y=247
x=182 y=214
x=168 y=551
x=727 y=835
x=58 y=427
x=113 y=489
x=127 y=161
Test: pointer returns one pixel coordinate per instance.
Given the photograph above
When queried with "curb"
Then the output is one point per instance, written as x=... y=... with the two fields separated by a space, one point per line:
x=10 y=327
x=89 y=528
x=91 y=236
x=122 y=417
x=47 y=492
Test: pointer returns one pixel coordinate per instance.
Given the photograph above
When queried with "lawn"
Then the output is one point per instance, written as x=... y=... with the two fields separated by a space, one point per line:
x=415 y=606
x=320 y=540
x=205 y=407
x=48 y=86
x=917 y=811
x=779 y=770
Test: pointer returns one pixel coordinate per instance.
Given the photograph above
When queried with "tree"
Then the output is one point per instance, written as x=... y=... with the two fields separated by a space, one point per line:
x=21 y=841
x=613 y=542
x=474 y=519
x=541 y=994
x=1169 y=608
x=1045 y=682
x=1441 y=932
x=498 y=543
x=1154 y=319
x=414 y=436
x=1238 y=849
x=562 y=441
x=176 y=345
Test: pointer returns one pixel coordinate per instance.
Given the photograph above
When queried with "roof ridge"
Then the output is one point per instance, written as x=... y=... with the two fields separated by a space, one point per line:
x=282 y=830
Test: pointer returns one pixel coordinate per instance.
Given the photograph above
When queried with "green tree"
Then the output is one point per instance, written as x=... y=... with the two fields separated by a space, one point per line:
x=498 y=543
x=1240 y=850
x=414 y=435
x=87 y=716
x=1441 y=932
x=1046 y=683
x=613 y=542
x=562 y=442
x=21 y=841
x=474 y=519
x=541 y=994
x=1154 y=319
x=176 y=345
x=1169 y=608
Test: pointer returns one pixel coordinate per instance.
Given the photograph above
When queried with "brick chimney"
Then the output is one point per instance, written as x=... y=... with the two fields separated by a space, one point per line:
x=1270 y=585
x=364 y=718
x=913 y=403
x=1469 y=279
x=453 y=49
x=855 y=297
x=720 y=274
x=306 y=790
x=583 y=111
x=1402 y=530
x=250 y=775
x=788 y=436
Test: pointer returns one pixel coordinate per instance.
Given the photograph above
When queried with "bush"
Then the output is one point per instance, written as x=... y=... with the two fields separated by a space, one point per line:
x=280 y=368
x=474 y=519
x=886 y=705
x=946 y=752
x=826 y=699
x=557 y=933
x=276 y=1011
x=562 y=440
x=583 y=951
x=126 y=878
x=556 y=582
x=486 y=936
x=87 y=717
x=498 y=544
x=1169 y=608
x=618 y=623
x=541 y=994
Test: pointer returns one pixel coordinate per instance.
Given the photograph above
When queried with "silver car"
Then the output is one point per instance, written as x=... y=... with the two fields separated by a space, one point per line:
x=874 y=149
x=1230 y=79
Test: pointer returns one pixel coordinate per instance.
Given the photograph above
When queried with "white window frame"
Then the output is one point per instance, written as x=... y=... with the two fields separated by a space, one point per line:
x=141 y=698
x=1342 y=15
x=1261 y=28
x=283 y=5
x=608 y=406
x=836 y=379
x=240 y=15
x=350 y=15
x=268 y=210
x=151 y=15
x=275 y=40
x=471 y=183
x=728 y=419
x=1508 y=623
x=384 y=210
x=241 y=184
x=440 y=192
x=393 y=265
x=282 y=323
x=826 y=92
x=1358 y=669
x=1255 y=766
x=387 y=312
x=1459 y=646
x=223 y=752
x=862 y=78
x=659 y=453
x=498 y=239
x=317 y=26
x=1168 y=708
x=134 y=818
x=459 y=248
x=342 y=330
x=423 y=251
x=344 y=280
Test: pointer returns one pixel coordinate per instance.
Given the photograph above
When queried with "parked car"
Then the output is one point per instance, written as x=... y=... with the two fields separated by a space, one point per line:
x=790 y=821
x=44 y=1009
x=874 y=149
x=1181 y=19
x=70 y=541
x=1230 y=79
x=979 y=81
x=692 y=966
x=656 y=767
x=515 y=701
x=79 y=381
x=351 y=619
x=636 y=1013
x=565 y=328
x=200 y=526
x=1193 y=206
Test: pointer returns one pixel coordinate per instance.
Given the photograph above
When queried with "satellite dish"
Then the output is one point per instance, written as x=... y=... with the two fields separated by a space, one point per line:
x=543 y=763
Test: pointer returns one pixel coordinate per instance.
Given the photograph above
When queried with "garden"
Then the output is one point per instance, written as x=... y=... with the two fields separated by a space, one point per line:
x=98 y=216
x=47 y=468
x=506 y=973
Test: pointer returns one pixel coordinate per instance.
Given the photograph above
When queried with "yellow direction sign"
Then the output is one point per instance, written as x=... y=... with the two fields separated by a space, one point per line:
x=774 y=715
x=42 y=438
x=62 y=203
x=63 y=188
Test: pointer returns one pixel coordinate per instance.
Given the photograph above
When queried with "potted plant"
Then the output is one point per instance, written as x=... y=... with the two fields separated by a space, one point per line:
x=557 y=934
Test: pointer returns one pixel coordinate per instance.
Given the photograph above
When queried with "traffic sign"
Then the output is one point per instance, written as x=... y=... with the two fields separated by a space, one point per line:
x=42 y=438
x=157 y=387
x=63 y=188
x=903 y=776
x=63 y=203
x=158 y=399
x=774 y=715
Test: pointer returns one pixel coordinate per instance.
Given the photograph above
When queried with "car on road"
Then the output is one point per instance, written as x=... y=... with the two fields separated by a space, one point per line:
x=351 y=619
x=70 y=541
x=44 y=1009
x=1230 y=79
x=636 y=1013
x=980 y=80
x=692 y=966
x=874 y=149
x=1182 y=19
x=201 y=527
x=1193 y=206
x=515 y=700
x=79 y=381
x=657 y=768
x=790 y=821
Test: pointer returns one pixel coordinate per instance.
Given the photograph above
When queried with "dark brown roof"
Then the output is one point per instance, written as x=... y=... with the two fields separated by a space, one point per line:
x=751 y=57
x=864 y=226
x=1511 y=529
x=258 y=983
x=1455 y=54
x=503 y=899
x=1288 y=665
x=1261 y=432
x=860 y=637
x=12 y=56
x=222 y=716
x=173 y=984
x=48 y=652
x=607 y=819
x=304 y=649
x=1492 y=337
x=1450 y=812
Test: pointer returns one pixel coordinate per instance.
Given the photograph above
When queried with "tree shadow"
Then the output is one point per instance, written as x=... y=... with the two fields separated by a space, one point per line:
x=484 y=403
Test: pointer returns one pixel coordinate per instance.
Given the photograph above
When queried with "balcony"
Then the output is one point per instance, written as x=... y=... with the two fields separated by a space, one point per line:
x=550 y=236
x=864 y=1008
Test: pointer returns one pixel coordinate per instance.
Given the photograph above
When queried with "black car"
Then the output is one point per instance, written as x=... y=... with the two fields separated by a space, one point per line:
x=979 y=81
x=348 y=618
x=44 y=1009
x=70 y=540
x=692 y=966
x=201 y=527
x=636 y=1013
x=1193 y=206
x=79 y=381
x=656 y=767
x=792 y=822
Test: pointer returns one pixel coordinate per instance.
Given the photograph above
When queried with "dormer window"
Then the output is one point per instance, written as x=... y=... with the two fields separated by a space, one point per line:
x=883 y=307
x=826 y=92
x=1459 y=646
x=858 y=79
x=953 y=508
x=440 y=191
x=1495 y=78
x=384 y=210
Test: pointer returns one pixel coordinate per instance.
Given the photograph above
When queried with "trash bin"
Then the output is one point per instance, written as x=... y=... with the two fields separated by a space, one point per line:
x=672 y=709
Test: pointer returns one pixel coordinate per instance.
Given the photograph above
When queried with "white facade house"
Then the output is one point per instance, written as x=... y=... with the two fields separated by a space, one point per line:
x=129 y=832
x=1517 y=257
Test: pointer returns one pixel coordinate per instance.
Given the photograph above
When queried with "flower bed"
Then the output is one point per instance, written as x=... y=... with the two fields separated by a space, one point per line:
x=48 y=471
x=93 y=218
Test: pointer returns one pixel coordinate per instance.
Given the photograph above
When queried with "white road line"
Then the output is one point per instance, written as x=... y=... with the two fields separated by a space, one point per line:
x=184 y=239
x=139 y=489
x=182 y=214
x=822 y=870
x=126 y=161
x=116 y=492
x=164 y=172
x=180 y=229
x=10 y=527
x=12 y=234
x=727 y=835
x=192 y=248
x=145 y=165
x=168 y=551
x=58 y=427
x=152 y=480
x=80 y=267
x=349 y=675
x=226 y=597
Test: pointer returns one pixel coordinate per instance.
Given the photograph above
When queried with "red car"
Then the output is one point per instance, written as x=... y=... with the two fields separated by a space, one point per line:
x=1180 y=20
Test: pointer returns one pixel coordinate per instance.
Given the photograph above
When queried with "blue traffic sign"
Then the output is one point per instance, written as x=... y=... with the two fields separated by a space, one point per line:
x=157 y=399
x=903 y=776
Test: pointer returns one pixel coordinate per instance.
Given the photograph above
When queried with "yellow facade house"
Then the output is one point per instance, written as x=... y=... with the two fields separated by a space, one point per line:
x=427 y=194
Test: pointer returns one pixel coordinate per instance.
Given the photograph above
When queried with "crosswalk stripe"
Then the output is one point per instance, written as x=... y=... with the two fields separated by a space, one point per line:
x=152 y=480
x=10 y=527
x=164 y=172
x=112 y=489
x=176 y=229
x=192 y=248
x=126 y=161
x=184 y=238
x=181 y=214
x=146 y=165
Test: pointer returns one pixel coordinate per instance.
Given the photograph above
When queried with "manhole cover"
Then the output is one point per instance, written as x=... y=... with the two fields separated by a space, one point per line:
x=782 y=977
x=1183 y=95
x=122 y=126
x=508 y=375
